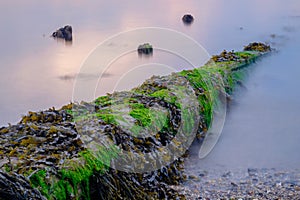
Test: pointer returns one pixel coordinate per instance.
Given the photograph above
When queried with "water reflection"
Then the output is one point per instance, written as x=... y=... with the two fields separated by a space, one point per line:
x=71 y=77
x=63 y=42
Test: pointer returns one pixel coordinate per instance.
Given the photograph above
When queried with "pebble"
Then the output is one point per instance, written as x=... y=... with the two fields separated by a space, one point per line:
x=254 y=184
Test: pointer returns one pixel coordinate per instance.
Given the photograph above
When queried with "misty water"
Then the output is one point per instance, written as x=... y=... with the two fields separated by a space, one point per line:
x=262 y=127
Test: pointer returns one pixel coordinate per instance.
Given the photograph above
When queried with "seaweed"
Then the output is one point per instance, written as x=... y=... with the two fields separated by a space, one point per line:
x=48 y=149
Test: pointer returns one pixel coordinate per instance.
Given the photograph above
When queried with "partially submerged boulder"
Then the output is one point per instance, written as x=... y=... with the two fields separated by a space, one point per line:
x=257 y=46
x=187 y=19
x=146 y=49
x=64 y=33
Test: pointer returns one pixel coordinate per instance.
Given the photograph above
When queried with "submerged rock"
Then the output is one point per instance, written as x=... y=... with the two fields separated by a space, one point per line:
x=64 y=33
x=188 y=19
x=145 y=49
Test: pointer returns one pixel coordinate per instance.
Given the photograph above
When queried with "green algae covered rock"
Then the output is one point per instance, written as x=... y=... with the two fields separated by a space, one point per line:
x=145 y=49
x=117 y=147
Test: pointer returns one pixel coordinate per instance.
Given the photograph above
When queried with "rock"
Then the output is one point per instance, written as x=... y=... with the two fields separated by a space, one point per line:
x=46 y=154
x=240 y=186
x=192 y=177
x=252 y=172
x=227 y=174
x=64 y=33
x=203 y=174
x=16 y=186
x=257 y=46
x=187 y=19
x=226 y=56
x=145 y=49
x=297 y=188
x=234 y=184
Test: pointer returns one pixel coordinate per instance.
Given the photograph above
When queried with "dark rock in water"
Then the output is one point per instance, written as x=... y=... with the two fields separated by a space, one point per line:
x=188 y=19
x=257 y=46
x=145 y=49
x=64 y=33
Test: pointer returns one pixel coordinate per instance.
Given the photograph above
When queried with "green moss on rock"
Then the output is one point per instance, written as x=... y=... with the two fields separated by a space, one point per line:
x=61 y=166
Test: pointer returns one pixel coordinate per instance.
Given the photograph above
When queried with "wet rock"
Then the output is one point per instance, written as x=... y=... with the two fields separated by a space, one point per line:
x=192 y=177
x=226 y=56
x=234 y=184
x=203 y=174
x=17 y=187
x=252 y=172
x=146 y=49
x=49 y=139
x=64 y=33
x=48 y=149
x=241 y=186
x=187 y=19
x=257 y=46
x=227 y=174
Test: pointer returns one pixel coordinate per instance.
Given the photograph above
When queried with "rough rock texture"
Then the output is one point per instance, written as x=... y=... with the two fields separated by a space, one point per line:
x=15 y=186
x=72 y=153
x=64 y=33
x=145 y=49
x=257 y=46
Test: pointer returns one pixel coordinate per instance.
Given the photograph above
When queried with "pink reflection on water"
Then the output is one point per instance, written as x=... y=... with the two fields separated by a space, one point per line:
x=32 y=62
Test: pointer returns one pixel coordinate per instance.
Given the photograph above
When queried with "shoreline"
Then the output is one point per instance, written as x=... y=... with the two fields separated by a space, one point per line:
x=250 y=183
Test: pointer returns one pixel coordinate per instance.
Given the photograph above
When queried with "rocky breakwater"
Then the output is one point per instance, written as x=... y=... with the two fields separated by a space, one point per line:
x=118 y=146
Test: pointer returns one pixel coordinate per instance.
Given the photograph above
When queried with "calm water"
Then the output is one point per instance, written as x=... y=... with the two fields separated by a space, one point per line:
x=263 y=125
